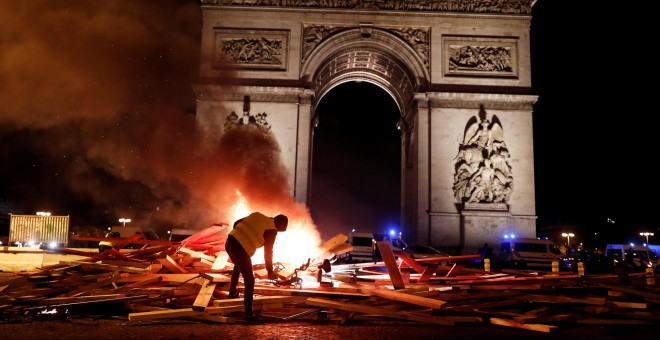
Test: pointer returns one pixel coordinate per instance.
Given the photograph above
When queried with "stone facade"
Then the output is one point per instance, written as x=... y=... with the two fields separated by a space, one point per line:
x=459 y=71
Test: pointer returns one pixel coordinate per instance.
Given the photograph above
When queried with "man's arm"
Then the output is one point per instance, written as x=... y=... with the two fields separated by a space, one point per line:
x=269 y=237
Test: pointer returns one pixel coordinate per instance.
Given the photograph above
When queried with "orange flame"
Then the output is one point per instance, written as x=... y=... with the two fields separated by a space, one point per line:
x=298 y=243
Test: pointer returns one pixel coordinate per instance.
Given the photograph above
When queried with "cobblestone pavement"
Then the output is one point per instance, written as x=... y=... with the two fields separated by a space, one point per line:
x=121 y=328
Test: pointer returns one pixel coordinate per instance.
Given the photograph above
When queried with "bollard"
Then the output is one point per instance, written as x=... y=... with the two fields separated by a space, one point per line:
x=487 y=265
x=555 y=266
x=580 y=268
x=650 y=277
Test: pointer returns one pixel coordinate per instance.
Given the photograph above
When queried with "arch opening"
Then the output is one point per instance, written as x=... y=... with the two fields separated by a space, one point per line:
x=355 y=176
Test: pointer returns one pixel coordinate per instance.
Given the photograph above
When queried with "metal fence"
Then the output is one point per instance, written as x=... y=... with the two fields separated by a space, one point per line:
x=38 y=229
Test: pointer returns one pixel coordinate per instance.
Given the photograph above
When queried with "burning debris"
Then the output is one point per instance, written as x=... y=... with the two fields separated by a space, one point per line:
x=164 y=280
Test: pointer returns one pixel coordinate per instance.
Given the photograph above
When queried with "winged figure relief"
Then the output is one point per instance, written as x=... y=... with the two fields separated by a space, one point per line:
x=482 y=166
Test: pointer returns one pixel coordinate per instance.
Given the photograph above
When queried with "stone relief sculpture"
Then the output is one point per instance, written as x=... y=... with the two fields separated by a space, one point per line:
x=259 y=120
x=473 y=6
x=253 y=50
x=483 y=166
x=480 y=58
x=417 y=38
x=313 y=35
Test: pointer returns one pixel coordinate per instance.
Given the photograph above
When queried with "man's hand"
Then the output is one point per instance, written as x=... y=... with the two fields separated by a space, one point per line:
x=272 y=276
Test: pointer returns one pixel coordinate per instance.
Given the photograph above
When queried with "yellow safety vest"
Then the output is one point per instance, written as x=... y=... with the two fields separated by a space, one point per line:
x=250 y=231
x=106 y=243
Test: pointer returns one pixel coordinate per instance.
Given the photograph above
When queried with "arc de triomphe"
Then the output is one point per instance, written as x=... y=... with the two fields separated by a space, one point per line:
x=459 y=71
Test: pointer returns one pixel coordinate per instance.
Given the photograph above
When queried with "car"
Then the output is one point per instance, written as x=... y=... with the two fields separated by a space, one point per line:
x=422 y=252
x=594 y=263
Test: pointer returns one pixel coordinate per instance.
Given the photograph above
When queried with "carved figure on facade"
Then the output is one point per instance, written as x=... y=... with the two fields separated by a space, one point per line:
x=253 y=51
x=523 y=7
x=480 y=58
x=483 y=172
x=260 y=120
x=313 y=35
x=416 y=38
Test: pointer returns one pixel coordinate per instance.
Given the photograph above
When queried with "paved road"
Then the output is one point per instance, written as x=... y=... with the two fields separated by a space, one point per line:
x=121 y=328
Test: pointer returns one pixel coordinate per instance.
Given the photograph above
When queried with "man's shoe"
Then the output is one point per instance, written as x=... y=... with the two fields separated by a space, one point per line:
x=251 y=319
x=233 y=295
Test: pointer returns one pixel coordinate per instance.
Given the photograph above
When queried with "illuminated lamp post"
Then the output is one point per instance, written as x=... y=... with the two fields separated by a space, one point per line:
x=124 y=221
x=568 y=238
x=647 y=234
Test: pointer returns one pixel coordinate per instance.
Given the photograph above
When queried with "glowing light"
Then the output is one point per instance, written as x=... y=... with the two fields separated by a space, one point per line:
x=293 y=247
x=124 y=221
x=647 y=234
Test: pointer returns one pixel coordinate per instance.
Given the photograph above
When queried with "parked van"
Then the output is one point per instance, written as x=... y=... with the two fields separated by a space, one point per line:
x=528 y=252
x=364 y=246
x=637 y=257
x=654 y=248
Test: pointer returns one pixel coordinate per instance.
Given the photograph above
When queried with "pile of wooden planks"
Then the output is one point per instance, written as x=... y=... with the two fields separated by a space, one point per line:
x=166 y=281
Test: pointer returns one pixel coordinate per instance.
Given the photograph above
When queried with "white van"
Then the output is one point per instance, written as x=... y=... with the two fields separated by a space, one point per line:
x=529 y=252
x=364 y=246
x=640 y=257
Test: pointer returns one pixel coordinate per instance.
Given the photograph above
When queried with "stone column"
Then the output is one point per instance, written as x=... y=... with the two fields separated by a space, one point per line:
x=303 y=148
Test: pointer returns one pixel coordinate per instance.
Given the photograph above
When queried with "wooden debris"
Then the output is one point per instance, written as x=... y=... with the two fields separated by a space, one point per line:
x=169 y=280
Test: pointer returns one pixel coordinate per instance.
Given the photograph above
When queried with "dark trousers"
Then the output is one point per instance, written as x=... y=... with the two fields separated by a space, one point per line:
x=242 y=265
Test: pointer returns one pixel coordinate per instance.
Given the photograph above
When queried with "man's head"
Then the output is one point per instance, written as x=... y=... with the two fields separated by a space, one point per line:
x=281 y=222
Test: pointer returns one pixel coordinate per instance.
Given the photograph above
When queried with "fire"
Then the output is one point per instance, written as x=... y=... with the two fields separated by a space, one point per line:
x=294 y=246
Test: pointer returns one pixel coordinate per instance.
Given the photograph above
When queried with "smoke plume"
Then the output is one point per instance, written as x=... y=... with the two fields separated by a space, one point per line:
x=97 y=118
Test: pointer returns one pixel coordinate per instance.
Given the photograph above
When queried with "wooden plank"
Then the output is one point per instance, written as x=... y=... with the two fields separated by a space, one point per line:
x=563 y=299
x=166 y=278
x=455 y=269
x=215 y=277
x=172 y=265
x=324 y=250
x=405 y=258
x=215 y=318
x=361 y=308
x=109 y=267
x=404 y=297
x=310 y=293
x=77 y=299
x=532 y=327
x=341 y=249
x=631 y=291
x=205 y=295
x=87 y=288
x=258 y=300
x=220 y=262
x=390 y=262
x=426 y=274
x=196 y=254
x=163 y=314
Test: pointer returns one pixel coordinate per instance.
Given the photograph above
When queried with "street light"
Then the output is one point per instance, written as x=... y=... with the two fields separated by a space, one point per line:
x=124 y=221
x=647 y=234
x=568 y=237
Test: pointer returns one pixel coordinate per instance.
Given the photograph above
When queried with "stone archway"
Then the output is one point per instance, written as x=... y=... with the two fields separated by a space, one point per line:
x=446 y=65
x=379 y=57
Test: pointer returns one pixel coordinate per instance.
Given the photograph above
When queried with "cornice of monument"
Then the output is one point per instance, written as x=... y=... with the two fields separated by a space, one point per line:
x=507 y=7
x=257 y=93
x=475 y=100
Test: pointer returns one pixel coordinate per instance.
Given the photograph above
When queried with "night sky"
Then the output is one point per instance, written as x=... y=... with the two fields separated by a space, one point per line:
x=97 y=120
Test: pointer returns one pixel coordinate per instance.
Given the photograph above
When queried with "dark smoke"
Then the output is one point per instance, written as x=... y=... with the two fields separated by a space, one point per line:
x=97 y=117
